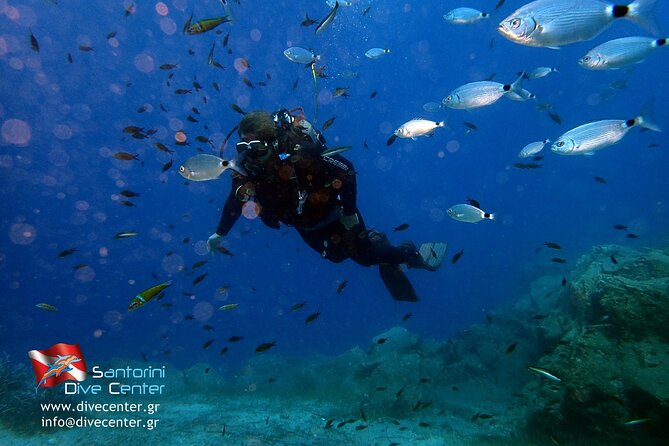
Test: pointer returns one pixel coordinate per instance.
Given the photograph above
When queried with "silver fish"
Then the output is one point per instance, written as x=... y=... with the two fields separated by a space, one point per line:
x=540 y=72
x=375 y=53
x=551 y=23
x=335 y=150
x=205 y=167
x=481 y=94
x=464 y=16
x=417 y=127
x=587 y=138
x=543 y=372
x=432 y=107
x=300 y=55
x=328 y=19
x=533 y=148
x=617 y=53
x=468 y=214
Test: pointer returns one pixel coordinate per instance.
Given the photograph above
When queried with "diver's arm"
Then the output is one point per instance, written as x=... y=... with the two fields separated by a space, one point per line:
x=231 y=210
x=349 y=189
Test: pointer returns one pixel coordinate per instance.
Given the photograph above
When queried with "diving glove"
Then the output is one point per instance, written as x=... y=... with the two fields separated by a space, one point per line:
x=214 y=242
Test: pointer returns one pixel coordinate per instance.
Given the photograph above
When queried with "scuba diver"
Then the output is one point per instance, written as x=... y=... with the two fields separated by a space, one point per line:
x=285 y=167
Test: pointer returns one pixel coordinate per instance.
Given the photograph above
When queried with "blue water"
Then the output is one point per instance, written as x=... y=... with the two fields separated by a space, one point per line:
x=59 y=185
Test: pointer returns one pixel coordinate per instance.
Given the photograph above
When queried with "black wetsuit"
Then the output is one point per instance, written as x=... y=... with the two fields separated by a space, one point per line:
x=328 y=187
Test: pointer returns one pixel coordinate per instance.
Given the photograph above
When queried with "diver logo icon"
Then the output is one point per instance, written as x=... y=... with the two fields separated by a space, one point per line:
x=58 y=363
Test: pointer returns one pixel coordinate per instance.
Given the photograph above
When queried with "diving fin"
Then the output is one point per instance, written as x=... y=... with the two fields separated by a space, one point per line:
x=433 y=254
x=397 y=283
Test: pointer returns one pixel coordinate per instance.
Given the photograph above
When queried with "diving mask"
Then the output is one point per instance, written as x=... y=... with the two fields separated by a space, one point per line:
x=257 y=147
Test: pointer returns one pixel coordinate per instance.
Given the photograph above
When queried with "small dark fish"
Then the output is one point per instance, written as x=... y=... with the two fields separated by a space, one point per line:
x=406 y=317
x=341 y=424
x=182 y=91
x=341 y=286
x=511 y=348
x=85 y=48
x=329 y=423
x=653 y=145
x=620 y=227
x=474 y=202
x=499 y=5
x=600 y=180
x=564 y=283
x=488 y=319
x=223 y=250
x=381 y=389
x=366 y=11
x=207 y=327
x=216 y=86
x=67 y=252
x=237 y=109
x=470 y=125
x=457 y=256
x=361 y=427
x=34 y=44
x=391 y=140
x=364 y=144
x=125 y=156
x=552 y=245
x=266 y=346
x=613 y=260
x=199 y=278
x=555 y=117
x=312 y=317
x=295 y=83
x=558 y=260
x=207 y=370
x=167 y=165
x=235 y=338
x=298 y=306
x=224 y=350
x=69 y=57
x=373 y=94
x=199 y=264
x=248 y=82
x=402 y=227
x=168 y=66
x=329 y=122
x=111 y=35
x=208 y=343
x=399 y=392
x=166 y=305
x=362 y=414
x=381 y=341
x=79 y=266
x=630 y=235
x=162 y=147
x=423 y=424
x=189 y=118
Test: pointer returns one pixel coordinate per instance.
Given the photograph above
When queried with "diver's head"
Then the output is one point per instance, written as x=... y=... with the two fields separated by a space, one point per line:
x=258 y=134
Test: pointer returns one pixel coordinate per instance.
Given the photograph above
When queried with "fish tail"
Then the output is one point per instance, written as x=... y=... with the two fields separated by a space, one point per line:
x=517 y=86
x=641 y=13
x=488 y=216
x=441 y=124
x=645 y=118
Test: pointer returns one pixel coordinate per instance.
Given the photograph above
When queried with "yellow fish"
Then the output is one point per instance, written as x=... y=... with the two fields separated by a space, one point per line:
x=202 y=26
x=228 y=307
x=47 y=307
x=147 y=295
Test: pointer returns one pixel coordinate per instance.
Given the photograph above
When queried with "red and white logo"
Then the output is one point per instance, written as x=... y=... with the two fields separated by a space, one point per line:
x=58 y=363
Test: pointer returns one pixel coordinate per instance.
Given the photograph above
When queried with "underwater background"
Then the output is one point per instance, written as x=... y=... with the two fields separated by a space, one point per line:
x=93 y=68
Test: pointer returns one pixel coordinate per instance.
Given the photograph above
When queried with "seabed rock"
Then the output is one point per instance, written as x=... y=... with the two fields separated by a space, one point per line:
x=613 y=358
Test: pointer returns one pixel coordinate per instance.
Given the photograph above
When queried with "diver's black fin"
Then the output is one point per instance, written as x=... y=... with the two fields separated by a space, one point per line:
x=433 y=254
x=397 y=283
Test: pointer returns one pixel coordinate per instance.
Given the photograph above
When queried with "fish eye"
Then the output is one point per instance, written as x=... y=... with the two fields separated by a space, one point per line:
x=449 y=98
x=515 y=23
x=587 y=58
x=560 y=143
x=182 y=169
